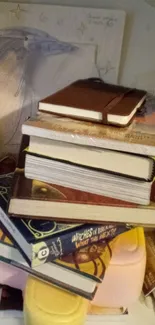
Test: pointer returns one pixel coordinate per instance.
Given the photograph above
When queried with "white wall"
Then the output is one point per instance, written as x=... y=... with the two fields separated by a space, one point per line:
x=138 y=54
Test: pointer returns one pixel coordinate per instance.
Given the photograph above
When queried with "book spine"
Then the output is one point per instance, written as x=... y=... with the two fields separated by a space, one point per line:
x=149 y=280
x=15 y=235
x=48 y=279
x=69 y=243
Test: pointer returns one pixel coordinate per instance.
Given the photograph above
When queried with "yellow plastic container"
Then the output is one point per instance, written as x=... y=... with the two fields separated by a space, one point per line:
x=45 y=304
x=124 y=276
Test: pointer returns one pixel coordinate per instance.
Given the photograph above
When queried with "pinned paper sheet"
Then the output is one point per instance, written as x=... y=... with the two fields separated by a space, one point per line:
x=43 y=48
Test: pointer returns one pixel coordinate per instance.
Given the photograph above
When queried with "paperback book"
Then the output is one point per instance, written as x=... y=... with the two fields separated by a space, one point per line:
x=79 y=273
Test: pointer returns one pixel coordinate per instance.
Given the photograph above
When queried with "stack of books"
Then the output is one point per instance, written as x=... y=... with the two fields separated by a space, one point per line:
x=83 y=177
x=73 y=256
x=96 y=172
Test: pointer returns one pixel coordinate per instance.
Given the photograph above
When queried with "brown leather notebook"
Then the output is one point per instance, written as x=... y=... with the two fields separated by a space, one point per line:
x=92 y=99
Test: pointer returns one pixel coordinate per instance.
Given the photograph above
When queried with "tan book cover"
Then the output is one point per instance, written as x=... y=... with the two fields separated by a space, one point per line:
x=138 y=137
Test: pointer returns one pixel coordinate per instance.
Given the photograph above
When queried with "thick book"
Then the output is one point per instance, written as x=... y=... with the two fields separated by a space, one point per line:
x=149 y=280
x=109 y=161
x=42 y=241
x=83 y=178
x=93 y=99
x=79 y=273
x=138 y=138
x=54 y=202
x=87 y=179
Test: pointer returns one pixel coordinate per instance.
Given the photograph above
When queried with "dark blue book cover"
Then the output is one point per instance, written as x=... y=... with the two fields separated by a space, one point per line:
x=32 y=229
x=36 y=230
x=48 y=242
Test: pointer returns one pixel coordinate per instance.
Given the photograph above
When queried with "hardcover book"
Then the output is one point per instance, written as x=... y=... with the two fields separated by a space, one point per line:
x=78 y=273
x=38 y=199
x=89 y=180
x=93 y=99
x=42 y=241
x=54 y=202
x=95 y=159
x=138 y=137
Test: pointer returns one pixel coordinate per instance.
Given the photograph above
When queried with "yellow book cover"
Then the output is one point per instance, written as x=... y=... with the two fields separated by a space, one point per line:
x=91 y=260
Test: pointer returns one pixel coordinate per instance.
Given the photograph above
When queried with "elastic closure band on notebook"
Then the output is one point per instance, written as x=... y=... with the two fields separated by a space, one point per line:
x=99 y=84
x=113 y=103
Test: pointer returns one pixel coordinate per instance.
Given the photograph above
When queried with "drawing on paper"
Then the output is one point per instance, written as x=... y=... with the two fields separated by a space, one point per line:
x=22 y=51
x=69 y=43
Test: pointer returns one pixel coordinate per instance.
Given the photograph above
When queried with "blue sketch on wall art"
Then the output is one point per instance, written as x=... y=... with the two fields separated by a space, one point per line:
x=25 y=76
